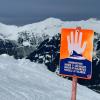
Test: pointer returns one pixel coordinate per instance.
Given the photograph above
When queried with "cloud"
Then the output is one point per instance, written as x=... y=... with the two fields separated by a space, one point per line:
x=24 y=11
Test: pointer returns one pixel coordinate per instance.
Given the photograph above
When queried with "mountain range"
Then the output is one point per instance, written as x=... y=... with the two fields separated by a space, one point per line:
x=40 y=42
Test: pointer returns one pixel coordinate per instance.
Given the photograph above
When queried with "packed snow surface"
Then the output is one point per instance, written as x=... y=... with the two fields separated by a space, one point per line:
x=25 y=80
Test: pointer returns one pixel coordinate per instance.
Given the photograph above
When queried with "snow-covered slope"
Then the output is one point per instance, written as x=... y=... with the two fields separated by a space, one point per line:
x=8 y=31
x=24 y=80
x=50 y=26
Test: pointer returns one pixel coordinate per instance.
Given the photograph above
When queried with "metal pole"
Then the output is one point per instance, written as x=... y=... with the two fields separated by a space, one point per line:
x=74 y=81
x=74 y=88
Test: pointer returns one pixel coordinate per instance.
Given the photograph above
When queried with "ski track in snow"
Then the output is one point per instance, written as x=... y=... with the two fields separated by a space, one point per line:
x=25 y=80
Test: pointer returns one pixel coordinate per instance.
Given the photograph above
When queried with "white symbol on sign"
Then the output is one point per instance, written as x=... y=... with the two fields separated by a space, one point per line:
x=75 y=43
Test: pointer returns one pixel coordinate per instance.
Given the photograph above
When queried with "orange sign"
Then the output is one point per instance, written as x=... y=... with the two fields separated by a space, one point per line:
x=76 y=52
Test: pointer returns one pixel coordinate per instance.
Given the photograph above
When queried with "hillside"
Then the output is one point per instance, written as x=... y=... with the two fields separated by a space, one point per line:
x=25 y=80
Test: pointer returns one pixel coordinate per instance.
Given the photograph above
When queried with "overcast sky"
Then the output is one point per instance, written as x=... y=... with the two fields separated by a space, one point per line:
x=20 y=12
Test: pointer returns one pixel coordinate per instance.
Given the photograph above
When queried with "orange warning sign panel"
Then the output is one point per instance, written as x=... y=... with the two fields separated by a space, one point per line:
x=76 y=52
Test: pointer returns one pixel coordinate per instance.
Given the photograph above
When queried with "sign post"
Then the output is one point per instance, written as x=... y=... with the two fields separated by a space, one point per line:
x=74 y=88
x=74 y=81
x=76 y=55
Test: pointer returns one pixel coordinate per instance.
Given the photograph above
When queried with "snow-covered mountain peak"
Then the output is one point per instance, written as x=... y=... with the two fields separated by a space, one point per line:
x=93 y=20
x=49 y=26
x=9 y=31
x=51 y=19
